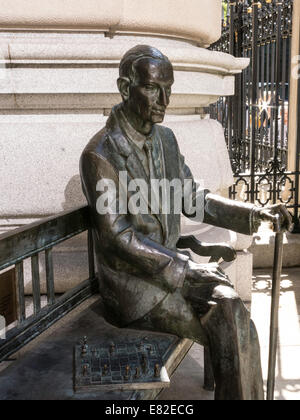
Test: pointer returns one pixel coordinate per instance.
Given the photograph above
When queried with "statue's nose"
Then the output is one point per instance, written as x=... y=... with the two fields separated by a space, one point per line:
x=163 y=98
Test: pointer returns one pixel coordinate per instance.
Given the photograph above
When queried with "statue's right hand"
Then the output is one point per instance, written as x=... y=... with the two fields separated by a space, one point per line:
x=206 y=274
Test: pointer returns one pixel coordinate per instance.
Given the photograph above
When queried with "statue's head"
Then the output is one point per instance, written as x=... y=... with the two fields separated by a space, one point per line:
x=146 y=78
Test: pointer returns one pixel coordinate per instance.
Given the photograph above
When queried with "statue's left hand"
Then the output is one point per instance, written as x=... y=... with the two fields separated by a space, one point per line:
x=278 y=215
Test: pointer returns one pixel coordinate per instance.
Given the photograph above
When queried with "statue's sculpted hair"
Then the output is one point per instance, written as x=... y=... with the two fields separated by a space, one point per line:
x=135 y=54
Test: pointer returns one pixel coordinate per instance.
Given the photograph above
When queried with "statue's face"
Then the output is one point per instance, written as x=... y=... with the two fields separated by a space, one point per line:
x=150 y=92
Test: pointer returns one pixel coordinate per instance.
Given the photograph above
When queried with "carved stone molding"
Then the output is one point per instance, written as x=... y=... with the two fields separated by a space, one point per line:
x=196 y=20
x=79 y=71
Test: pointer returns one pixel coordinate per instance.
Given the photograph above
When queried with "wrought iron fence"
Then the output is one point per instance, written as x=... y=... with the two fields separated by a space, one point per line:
x=256 y=118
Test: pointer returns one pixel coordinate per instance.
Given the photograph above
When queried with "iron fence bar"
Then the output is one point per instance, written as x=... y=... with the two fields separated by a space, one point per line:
x=254 y=96
x=230 y=22
x=239 y=111
x=283 y=95
x=276 y=109
x=296 y=214
x=273 y=66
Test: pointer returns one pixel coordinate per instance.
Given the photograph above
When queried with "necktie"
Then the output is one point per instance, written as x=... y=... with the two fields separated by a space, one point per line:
x=154 y=170
x=148 y=149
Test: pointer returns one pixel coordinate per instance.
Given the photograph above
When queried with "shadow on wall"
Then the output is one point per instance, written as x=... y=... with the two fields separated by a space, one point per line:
x=74 y=196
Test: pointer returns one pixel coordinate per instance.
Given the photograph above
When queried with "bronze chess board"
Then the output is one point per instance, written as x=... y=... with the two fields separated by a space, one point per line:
x=119 y=366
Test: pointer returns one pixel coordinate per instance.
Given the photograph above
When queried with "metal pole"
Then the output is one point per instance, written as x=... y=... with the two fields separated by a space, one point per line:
x=274 y=310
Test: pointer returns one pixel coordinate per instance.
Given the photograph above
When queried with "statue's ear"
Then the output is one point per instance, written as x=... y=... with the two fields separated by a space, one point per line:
x=124 y=85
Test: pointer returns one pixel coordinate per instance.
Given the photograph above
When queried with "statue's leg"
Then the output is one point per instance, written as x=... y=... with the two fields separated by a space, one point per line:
x=255 y=366
x=219 y=320
x=234 y=347
x=174 y=315
x=209 y=379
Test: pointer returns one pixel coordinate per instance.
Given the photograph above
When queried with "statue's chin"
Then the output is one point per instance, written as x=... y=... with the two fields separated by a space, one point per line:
x=157 y=117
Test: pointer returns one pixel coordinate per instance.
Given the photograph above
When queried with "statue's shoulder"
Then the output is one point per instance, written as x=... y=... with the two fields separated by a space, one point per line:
x=165 y=131
x=110 y=139
x=107 y=148
x=97 y=142
x=168 y=136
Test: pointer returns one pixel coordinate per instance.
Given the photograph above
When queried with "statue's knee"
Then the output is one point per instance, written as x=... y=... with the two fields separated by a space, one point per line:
x=253 y=332
x=224 y=292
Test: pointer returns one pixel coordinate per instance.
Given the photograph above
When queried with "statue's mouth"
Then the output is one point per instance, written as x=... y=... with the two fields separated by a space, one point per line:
x=159 y=111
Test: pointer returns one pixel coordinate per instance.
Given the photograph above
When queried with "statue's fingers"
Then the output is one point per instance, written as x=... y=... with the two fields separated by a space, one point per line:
x=269 y=216
x=287 y=217
x=223 y=280
x=225 y=283
x=285 y=221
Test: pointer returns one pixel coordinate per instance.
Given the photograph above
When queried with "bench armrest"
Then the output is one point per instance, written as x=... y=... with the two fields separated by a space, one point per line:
x=215 y=251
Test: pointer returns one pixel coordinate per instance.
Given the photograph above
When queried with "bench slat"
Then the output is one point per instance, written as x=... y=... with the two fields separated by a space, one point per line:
x=36 y=237
x=36 y=287
x=91 y=254
x=35 y=325
x=49 y=277
x=21 y=291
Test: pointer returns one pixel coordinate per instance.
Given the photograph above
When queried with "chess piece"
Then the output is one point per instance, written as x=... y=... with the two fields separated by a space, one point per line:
x=85 y=370
x=105 y=370
x=127 y=373
x=157 y=371
x=84 y=348
x=137 y=373
x=144 y=363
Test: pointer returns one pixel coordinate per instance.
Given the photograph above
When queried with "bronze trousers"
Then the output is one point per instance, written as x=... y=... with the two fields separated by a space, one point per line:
x=216 y=317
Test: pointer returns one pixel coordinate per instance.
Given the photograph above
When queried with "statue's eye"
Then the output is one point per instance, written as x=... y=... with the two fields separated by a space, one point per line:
x=150 y=87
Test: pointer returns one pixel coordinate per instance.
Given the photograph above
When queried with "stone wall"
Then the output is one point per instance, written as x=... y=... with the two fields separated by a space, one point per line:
x=58 y=69
x=56 y=91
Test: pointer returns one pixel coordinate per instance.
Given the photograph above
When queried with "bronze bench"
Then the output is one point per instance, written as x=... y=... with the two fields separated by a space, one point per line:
x=41 y=237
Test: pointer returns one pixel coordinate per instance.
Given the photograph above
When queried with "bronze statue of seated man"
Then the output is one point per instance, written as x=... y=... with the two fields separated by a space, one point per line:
x=145 y=281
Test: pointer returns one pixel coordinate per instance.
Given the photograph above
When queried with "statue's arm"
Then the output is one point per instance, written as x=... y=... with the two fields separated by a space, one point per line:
x=229 y=214
x=218 y=211
x=117 y=234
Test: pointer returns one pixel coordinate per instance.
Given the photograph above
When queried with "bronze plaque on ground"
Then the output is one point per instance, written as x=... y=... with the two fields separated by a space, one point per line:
x=8 y=298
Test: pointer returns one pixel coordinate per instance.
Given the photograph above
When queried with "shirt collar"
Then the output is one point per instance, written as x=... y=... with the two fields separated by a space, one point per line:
x=131 y=133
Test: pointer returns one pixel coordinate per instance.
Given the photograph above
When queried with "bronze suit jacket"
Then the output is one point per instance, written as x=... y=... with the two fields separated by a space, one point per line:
x=137 y=260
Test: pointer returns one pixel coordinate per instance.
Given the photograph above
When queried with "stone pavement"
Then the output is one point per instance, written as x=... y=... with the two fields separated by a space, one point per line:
x=187 y=382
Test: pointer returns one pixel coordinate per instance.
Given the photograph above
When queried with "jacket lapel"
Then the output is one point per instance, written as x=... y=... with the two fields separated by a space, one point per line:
x=170 y=168
x=130 y=161
x=160 y=167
